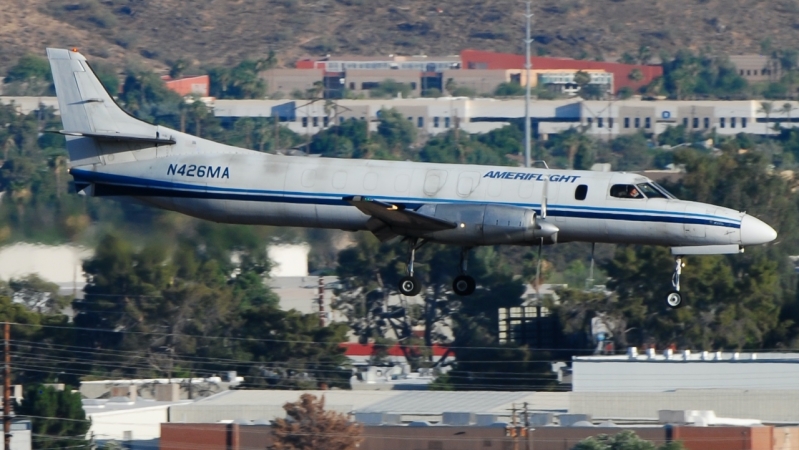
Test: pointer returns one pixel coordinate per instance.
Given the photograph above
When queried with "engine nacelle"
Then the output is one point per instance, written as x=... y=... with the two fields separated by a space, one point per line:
x=487 y=225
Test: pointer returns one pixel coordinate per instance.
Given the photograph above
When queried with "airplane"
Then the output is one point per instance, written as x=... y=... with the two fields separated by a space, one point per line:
x=114 y=154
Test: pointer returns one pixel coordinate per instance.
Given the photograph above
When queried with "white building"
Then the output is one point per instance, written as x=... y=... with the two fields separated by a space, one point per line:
x=737 y=385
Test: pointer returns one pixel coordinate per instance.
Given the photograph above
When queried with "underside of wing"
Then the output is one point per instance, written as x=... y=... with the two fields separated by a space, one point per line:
x=389 y=220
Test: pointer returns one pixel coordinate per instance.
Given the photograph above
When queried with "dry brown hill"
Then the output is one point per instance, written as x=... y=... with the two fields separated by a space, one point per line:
x=226 y=31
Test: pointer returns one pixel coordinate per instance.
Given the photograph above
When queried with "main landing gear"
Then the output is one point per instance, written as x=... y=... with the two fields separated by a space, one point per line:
x=410 y=286
x=464 y=284
x=675 y=299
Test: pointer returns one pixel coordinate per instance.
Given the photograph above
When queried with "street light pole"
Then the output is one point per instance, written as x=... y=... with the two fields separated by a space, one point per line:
x=528 y=65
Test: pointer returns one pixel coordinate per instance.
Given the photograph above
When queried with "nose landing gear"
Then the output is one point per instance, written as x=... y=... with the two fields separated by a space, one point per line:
x=464 y=284
x=410 y=285
x=675 y=299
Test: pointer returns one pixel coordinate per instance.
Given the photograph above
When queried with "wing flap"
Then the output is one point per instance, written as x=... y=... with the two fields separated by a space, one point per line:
x=397 y=217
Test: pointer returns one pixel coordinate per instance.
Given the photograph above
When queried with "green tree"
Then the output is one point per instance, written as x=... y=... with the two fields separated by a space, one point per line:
x=57 y=417
x=397 y=131
x=511 y=89
x=636 y=75
x=625 y=440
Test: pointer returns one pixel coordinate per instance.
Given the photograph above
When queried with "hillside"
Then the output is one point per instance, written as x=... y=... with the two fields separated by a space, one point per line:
x=226 y=31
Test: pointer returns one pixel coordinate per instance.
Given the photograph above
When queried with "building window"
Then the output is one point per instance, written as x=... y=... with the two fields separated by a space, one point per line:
x=315 y=121
x=599 y=123
x=748 y=73
x=410 y=119
x=352 y=86
x=436 y=121
x=446 y=122
x=581 y=192
x=742 y=72
x=707 y=122
x=695 y=122
x=413 y=85
x=420 y=122
x=637 y=122
x=304 y=122
x=610 y=122
x=626 y=122
x=326 y=122
x=732 y=122
x=743 y=122
x=685 y=122
x=723 y=122
x=648 y=122
x=590 y=121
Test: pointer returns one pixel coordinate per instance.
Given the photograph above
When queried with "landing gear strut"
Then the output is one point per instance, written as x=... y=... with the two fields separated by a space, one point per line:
x=409 y=285
x=464 y=284
x=675 y=299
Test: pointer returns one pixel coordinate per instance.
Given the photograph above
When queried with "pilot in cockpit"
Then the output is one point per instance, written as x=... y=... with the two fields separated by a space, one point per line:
x=633 y=192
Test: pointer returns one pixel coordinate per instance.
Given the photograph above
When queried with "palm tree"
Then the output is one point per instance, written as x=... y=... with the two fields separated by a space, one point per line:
x=766 y=108
x=199 y=112
x=786 y=109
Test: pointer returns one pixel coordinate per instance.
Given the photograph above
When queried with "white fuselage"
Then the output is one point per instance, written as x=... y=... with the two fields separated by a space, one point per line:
x=231 y=185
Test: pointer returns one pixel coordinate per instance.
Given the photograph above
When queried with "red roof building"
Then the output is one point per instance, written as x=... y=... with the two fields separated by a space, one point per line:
x=199 y=85
x=477 y=59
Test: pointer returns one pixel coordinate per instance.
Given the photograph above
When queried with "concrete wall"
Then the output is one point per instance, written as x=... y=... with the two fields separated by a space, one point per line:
x=723 y=438
x=141 y=423
x=285 y=81
x=776 y=406
x=183 y=436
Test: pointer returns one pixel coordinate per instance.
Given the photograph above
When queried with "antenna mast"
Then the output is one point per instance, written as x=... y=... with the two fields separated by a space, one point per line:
x=528 y=65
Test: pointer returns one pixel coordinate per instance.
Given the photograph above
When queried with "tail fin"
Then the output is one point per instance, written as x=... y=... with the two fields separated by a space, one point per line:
x=88 y=112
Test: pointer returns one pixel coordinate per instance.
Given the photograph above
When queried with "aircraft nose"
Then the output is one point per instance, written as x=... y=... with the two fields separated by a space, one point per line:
x=756 y=232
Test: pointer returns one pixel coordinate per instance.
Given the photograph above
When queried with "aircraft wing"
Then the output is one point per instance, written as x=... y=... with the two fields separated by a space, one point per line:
x=388 y=220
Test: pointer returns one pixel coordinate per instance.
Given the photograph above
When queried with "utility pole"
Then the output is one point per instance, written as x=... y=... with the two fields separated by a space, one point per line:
x=7 y=386
x=528 y=66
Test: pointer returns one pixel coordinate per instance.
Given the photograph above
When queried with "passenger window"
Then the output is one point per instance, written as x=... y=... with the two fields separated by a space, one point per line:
x=625 y=191
x=581 y=192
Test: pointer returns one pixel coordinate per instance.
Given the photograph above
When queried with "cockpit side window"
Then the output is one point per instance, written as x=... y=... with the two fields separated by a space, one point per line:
x=626 y=191
x=650 y=191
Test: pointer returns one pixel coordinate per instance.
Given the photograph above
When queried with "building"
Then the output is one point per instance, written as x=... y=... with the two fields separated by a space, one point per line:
x=480 y=71
x=199 y=86
x=735 y=385
x=624 y=75
x=239 y=436
x=757 y=68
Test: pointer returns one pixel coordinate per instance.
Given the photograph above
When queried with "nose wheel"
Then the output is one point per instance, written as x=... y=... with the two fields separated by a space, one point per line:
x=675 y=298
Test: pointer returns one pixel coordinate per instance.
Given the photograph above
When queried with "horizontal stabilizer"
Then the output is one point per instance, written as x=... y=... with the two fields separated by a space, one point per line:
x=398 y=218
x=119 y=137
x=707 y=250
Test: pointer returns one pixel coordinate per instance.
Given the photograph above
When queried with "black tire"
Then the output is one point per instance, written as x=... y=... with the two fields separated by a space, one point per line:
x=409 y=286
x=464 y=285
x=675 y=300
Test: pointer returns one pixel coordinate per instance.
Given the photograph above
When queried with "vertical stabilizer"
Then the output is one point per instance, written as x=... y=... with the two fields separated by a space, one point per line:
x=86 y=107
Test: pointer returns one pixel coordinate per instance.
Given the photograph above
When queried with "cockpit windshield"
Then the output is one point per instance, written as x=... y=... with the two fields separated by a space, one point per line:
x=650 y=191
x=663 y=191
x=640 y=191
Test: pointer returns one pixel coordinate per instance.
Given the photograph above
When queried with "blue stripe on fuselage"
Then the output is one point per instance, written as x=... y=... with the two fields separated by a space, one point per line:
x=121 y=185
